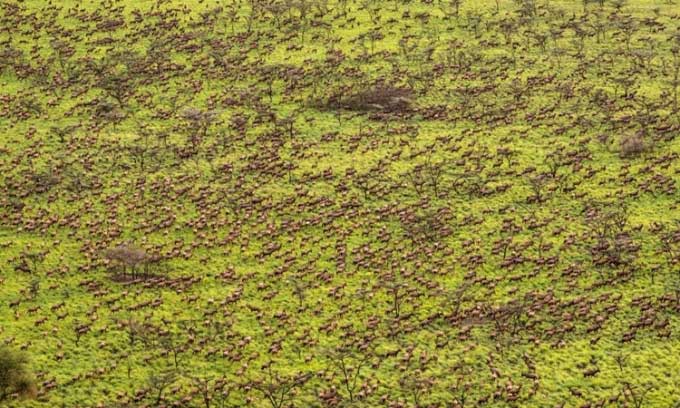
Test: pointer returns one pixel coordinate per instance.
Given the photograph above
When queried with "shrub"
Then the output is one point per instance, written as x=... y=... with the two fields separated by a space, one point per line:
x=15 y=379
x=380 y=98
x=632 y=146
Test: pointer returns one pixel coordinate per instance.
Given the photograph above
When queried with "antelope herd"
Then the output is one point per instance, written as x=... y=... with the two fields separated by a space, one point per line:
x=341 y=203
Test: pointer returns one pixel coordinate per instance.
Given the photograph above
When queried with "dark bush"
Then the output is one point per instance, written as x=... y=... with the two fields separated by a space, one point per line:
x=632 y=146
x=15 y=379
x=382 y=98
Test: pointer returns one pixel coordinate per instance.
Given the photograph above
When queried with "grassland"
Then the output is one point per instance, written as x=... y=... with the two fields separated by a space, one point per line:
x=319 y=203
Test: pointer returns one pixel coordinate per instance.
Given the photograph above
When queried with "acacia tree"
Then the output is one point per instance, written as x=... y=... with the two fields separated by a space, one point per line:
x=211 y=389
x=198 y=123
x=117 y=75
x=670 y=250
x=127 y=256
x=349 y=363
x=537 y=184
x=159 y=382
x=299 y=286
x=141 y=153
x=15 y=378
x=450 y=8
x=417 y=385
x=635 y=395
x=279 y=389
x=674 y=80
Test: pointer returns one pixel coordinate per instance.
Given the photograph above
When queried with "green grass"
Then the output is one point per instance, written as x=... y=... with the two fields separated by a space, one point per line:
x=235 y=198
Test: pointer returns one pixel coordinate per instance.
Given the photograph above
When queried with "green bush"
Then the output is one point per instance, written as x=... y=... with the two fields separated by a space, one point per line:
x=15 y=378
